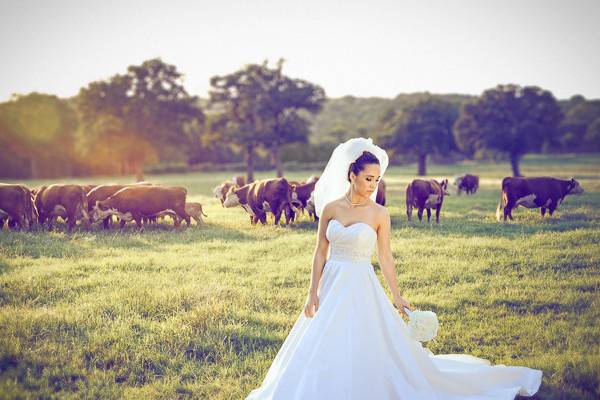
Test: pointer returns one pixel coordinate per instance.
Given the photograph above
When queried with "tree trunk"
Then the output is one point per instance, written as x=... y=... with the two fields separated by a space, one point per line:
x=421 y=167
x=277 y=160
x=249 y=163
x=514 y=162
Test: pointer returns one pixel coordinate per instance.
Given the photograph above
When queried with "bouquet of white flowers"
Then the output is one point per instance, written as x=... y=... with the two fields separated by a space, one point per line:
x=422 y=325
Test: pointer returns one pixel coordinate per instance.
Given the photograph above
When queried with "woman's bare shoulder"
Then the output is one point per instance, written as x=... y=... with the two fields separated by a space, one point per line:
x=382 y=214
x=381 y=210
x=330 y=208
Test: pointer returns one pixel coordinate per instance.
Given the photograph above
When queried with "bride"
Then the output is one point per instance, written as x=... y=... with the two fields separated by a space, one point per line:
x=349 y=342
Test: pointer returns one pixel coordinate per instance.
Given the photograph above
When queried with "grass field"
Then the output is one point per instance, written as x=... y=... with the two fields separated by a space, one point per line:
x=201 y=312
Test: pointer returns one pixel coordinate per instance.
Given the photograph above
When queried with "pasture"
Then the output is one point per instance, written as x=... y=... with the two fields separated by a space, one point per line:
x=201 y=312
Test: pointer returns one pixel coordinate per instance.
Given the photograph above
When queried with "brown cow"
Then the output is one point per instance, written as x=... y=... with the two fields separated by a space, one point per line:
x=88 y=188
x=533 y=192
x=67 y=201
x=16 y=206
x=239 y=180
x=139 y=201
x=310 y=207
x=290 y=214
x=276 y=193
x=426 y=194
x=312 y=178
x=304 y=199
x=99 y=193
x=195 y=211
x=221 y=190
x=466 y=183
x=380 y=198
x=303 y=193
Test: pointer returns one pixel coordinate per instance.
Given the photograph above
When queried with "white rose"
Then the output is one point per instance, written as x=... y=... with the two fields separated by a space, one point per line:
x=422 y=325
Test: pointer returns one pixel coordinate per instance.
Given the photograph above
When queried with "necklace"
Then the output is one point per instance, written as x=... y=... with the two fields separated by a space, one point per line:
x=354 y=204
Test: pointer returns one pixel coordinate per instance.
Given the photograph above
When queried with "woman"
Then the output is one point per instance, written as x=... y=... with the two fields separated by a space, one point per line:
x=349 y=342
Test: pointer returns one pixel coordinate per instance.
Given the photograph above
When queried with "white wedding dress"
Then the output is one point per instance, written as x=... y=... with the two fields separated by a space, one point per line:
x=357 y=345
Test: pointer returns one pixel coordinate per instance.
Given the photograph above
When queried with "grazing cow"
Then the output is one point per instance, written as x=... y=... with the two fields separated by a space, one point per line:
x=195 y=211
x=303 y=197
x=312 y=178
x=139 y=201
x=99 y=193
x=533 y=192
x=310 y=207
x=88 y=188
x=426 y=194
x=466 y=183
x=16 y=206
x=238 y=180
x=66 y=201
x=380 y=198
x=276 y=193
x=103 y=192
x=221 y=191
x=303 y=193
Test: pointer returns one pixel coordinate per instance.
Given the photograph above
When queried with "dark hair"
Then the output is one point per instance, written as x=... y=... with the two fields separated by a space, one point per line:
x=359 y=164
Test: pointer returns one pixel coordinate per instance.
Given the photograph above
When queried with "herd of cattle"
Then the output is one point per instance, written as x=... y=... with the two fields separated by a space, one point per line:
x=281 y=196
x=23 y=207
x=144 y=202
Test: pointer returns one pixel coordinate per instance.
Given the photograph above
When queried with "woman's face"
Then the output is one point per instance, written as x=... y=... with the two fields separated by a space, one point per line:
x=366 y=181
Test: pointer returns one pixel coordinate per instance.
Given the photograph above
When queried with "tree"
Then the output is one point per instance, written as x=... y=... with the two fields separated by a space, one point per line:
x=280 y=105
x=38 y=129
x=260 y=106
x=422 y=129
x=592 y=136
x=139 y=117
x=509 y=118
x=579 y=116
x=236 y=96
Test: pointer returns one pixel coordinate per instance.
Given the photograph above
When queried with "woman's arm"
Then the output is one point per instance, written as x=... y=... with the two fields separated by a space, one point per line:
x=320 y=253
x=319 y=258
x=386 y=260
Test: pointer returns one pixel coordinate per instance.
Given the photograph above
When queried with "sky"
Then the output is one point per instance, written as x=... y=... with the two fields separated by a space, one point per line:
x=362 y=48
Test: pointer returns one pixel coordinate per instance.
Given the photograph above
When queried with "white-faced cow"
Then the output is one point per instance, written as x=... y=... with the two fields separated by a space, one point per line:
x=312 y=178
x=136 y=202
x=221 y=190
x=310 y=207
x=16 y=206
x=426 y=194
x=542 y=192
x=303 y=193
x=87 y=188
x=100 y=193
x=66 y=201
x=239 y=180
x=255 y=197
x=466 y=183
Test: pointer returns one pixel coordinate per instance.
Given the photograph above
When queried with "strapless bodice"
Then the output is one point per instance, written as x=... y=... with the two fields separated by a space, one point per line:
x=354 y=242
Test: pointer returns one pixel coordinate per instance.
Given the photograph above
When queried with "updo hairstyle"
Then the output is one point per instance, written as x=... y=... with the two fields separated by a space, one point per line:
x=359 y=164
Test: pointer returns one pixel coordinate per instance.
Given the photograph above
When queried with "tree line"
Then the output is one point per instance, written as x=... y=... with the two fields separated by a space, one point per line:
x=145 y=117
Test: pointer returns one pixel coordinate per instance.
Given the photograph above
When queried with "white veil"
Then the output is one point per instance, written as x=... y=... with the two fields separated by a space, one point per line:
x=333 y=182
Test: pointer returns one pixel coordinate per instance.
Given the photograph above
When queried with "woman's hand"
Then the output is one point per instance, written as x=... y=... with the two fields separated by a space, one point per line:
x=312 y=305
x=400 y=303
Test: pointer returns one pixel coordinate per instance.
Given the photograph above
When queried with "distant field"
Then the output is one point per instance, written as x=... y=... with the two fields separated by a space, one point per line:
x=201 y=312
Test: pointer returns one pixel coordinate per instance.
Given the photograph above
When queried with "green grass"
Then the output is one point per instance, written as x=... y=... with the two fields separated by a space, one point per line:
x=201 y=312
